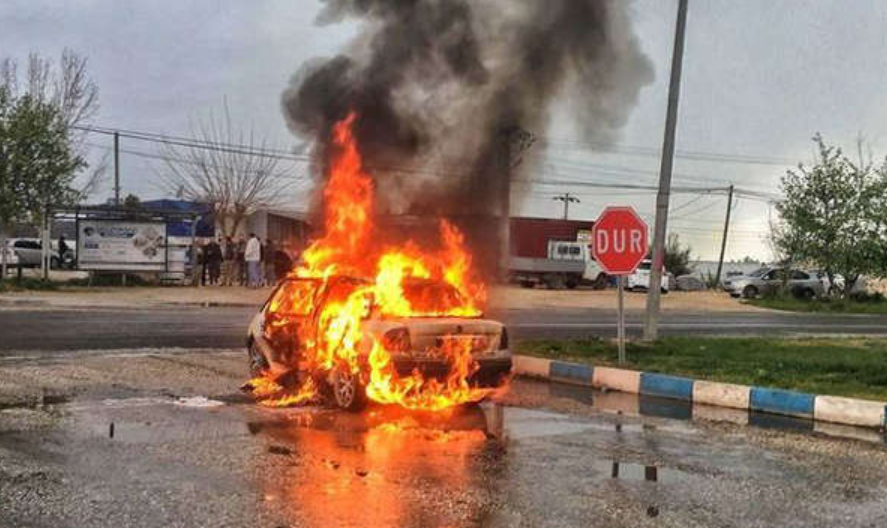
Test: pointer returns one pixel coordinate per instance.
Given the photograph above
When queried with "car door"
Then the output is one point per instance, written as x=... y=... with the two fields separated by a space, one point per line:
x=28 y=252
x=772 y=281
x=803 y=281
x=287 y=312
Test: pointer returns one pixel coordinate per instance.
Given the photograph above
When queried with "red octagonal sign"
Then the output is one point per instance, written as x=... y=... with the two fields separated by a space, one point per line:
x=619 y=240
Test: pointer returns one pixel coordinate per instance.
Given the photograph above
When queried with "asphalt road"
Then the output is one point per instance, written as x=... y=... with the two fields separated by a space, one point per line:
x=545 y=456
x=225 y=327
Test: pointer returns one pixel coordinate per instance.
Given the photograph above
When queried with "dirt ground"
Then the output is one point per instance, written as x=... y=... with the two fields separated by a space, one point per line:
x=500 y=298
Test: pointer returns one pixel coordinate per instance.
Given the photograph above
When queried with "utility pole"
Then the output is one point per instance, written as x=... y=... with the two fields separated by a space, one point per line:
x=515 y=141
x=505 y=206
x=724 y=239
x=116 y=169
x=651 y=324
x=567 y=199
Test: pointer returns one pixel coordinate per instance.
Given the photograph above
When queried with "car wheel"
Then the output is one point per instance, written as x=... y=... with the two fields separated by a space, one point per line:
x=664 y=291
x=600 y=282
x=527 y=284
x=348 y=392
x=257 y=362
x=808 y=293
x=54 y=263
x=571 y=284
x=749 y=292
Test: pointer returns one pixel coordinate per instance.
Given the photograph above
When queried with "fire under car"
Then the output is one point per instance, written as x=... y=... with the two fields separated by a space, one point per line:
x=291 y=315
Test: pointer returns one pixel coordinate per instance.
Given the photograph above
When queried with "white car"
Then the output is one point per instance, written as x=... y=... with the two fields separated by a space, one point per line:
x=11 y=257
x=640 y=279
x=29 y=252
x=414 y=342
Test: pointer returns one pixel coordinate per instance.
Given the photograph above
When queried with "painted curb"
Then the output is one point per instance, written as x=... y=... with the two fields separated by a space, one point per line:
x=666 y=386
x=576 y=373
x=732 y=399
x=531 y=366
x=778 y=401
x=848 y=411
x=617 y=379
x=721 y=394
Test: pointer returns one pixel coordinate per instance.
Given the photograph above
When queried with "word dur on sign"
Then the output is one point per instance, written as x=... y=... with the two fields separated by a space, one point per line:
x=619 y=240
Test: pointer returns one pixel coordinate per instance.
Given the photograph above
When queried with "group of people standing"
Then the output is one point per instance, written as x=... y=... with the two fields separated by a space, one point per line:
x=242 y=262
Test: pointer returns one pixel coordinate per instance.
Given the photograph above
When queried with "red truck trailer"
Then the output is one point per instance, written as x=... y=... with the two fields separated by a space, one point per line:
x=556 y=253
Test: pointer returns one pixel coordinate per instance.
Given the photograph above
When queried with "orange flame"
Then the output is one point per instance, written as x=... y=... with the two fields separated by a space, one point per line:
x=349 y=247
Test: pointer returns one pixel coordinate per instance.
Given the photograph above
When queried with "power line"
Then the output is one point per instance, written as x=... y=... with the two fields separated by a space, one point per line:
x=162 y=157
x=278 y=154
x=578 y=145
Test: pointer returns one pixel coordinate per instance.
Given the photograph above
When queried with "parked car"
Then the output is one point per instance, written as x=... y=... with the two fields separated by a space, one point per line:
x=640 y=279
x=768 y=280
x=29 y=252
x=830 y=287
x=11 y=257
x=273 y=342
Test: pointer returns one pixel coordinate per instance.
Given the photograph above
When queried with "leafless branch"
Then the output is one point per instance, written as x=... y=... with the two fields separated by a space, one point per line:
x=235 y=183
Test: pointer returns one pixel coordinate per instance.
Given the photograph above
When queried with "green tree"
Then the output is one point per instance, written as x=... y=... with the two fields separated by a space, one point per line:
x=677 y=257
x=832 y=216
x=132 y=202
x=41 y=151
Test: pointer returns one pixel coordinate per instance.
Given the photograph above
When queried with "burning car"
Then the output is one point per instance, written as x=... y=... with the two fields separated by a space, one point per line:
x=368 y=314
x=418 y=343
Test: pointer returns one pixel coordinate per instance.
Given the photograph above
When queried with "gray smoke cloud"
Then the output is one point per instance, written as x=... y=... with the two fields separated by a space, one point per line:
x=438 y=84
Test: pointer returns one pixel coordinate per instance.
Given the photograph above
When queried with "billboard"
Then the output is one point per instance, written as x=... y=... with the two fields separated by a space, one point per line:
x=120 y=245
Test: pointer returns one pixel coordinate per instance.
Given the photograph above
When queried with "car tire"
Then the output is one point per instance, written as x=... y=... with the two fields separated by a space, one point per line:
x=527 y=284
x=348 y=392
x=808 y=293
x=664 y=291
x=54 y=263
x=571 y=284
x=600 y=282
x=258 y=364
x=749 y=292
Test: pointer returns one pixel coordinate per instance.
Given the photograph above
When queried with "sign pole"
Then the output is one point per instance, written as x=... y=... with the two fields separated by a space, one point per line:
x=619 y=244
x=620 y=327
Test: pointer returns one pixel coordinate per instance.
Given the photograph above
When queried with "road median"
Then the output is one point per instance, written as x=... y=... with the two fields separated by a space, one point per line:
x=830 y=380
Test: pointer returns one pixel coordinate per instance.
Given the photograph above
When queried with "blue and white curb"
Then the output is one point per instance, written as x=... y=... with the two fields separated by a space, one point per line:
x=820 y=408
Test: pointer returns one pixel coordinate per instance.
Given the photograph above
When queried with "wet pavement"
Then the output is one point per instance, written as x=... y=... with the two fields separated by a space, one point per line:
x=132 y=453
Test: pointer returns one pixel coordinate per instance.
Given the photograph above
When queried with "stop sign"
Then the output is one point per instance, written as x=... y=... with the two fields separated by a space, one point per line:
x=619 y=240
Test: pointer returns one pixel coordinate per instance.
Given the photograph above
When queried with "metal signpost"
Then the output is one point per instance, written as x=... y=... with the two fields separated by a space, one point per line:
x=619 y=244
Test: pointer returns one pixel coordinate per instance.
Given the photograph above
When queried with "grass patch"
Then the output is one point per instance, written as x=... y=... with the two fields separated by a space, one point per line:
x=869 y=304
x=27 y=283
x=841 y=367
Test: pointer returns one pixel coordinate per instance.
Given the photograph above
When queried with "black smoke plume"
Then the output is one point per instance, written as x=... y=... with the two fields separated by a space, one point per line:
x=439 y=86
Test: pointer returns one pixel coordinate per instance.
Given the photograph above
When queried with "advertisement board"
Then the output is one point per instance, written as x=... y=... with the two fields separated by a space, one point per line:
x=119 y=245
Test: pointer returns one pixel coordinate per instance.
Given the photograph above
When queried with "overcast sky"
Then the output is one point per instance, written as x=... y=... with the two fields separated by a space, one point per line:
x=760 y=77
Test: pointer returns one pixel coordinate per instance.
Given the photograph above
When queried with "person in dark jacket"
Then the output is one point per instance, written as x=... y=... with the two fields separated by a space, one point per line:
x=212 y=253
x=229 y=255
x=240 y=261
x=282 y=263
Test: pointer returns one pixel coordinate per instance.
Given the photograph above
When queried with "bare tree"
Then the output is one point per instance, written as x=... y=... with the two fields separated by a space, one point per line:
x=64 y=84
x=225 y=167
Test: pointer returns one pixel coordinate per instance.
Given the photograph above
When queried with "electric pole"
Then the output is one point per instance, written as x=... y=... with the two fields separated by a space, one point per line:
x=567 y=199
x=651 y=324
x=724 y=239
x=515 y=141
x=116 y=169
